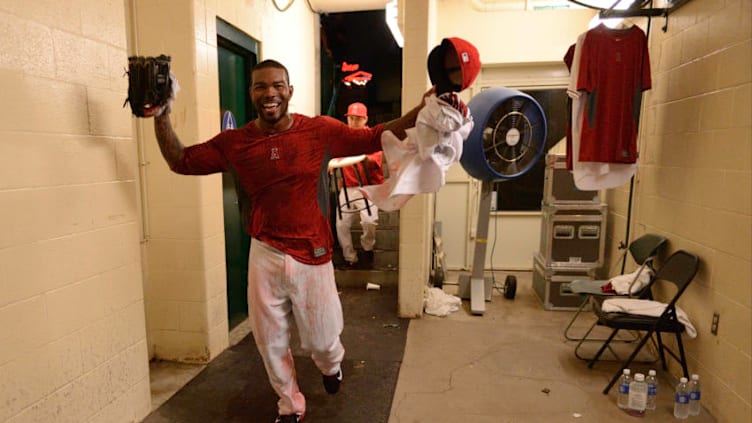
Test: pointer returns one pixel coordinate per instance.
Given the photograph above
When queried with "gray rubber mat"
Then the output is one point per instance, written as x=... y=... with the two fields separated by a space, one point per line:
x=234 y=386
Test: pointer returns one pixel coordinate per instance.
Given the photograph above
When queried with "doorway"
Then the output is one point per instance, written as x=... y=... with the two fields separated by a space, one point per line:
x=237 y=53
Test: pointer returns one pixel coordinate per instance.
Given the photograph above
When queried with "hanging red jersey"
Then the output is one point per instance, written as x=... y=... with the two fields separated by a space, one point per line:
x=614 y=70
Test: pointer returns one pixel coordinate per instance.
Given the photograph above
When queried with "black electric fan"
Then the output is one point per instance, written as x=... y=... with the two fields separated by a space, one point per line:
x=508 y=138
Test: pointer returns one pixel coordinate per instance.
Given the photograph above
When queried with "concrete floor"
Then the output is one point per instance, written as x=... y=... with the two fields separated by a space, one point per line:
x=512 y=364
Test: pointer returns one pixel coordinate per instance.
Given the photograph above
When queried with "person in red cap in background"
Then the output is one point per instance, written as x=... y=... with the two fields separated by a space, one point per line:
x=366 y=172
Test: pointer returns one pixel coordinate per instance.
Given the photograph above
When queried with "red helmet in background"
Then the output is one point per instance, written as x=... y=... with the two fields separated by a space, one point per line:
x=357 y=109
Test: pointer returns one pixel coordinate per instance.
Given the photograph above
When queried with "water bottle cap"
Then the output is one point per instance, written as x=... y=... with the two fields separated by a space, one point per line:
x=639 y=377
x=651 y=372
x=626 y=371
x=683 y=380
x=695 y=377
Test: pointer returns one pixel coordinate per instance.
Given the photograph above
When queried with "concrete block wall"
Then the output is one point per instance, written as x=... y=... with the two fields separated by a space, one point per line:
x=72 y=332
x=186 y=300
x=694 y=185
x=74 y=303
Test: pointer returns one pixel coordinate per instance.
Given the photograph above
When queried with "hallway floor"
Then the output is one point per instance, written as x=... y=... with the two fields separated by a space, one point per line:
x=511 y=364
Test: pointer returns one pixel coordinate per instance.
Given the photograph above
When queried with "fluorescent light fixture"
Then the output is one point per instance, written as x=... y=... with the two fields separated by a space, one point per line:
x=392 y=12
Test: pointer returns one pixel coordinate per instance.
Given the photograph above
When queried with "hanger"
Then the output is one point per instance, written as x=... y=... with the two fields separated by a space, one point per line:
x=625 y=23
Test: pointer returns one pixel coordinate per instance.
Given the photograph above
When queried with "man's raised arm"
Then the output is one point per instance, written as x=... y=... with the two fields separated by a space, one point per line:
x=169 y=144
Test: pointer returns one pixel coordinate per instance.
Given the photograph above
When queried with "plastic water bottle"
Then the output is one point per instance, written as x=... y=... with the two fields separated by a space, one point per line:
x=652 y=382
x=681 y=400
x=694 y=395
x=622 y=400
x=638 y=395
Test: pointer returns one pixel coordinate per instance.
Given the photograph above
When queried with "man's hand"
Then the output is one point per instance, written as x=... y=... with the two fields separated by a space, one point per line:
x=428 y=93
x=453 y=100
x=155 y=111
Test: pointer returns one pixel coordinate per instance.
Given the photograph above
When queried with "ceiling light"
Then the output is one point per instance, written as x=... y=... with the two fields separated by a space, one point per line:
x=392 y=13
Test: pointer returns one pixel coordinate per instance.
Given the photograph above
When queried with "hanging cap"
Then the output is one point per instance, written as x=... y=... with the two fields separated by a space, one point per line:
x=468 y=58
x=357 y=109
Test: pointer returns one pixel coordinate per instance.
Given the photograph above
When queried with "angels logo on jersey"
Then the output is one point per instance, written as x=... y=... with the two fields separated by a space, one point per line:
x=275 y=154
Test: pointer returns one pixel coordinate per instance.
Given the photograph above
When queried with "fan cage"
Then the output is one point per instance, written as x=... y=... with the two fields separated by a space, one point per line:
x=508 y=137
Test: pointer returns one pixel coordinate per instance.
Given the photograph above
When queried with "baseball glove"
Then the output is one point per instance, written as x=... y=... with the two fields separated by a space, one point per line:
x=149 y=83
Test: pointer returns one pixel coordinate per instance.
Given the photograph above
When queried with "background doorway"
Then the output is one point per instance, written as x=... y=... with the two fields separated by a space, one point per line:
x=237 y=53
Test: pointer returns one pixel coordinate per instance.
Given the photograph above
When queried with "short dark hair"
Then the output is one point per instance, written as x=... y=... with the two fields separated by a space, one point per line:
x=269 y=63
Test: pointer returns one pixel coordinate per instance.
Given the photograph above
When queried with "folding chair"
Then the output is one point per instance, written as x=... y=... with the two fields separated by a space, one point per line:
x=643 y=251
x=679 y=269
x=338 y=177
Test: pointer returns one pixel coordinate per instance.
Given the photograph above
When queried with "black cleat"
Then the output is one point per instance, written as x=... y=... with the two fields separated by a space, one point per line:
x=289 y=418
x=331 y=383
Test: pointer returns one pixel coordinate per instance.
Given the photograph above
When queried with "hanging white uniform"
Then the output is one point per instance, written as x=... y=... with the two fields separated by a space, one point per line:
x=419 y=164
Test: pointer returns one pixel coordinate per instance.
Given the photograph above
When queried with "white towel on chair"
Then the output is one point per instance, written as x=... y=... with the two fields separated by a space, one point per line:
x=646 y=308
x=621 y=283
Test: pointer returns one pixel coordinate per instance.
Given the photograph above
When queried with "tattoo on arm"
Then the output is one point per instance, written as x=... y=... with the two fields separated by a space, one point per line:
x=169 y=144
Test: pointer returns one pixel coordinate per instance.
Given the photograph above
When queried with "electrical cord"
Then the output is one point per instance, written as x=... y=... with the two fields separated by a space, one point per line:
x=289 y=3
x=283 y=9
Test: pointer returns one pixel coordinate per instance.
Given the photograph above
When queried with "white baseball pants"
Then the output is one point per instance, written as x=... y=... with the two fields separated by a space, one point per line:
x=280 y=288
x=367 y=222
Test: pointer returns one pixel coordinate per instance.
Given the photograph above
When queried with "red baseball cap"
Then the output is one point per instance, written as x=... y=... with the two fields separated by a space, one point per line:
x=357 y=109
x=468 y=58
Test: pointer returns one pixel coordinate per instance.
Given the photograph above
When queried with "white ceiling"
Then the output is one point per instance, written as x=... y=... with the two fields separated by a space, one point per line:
x=338 y=6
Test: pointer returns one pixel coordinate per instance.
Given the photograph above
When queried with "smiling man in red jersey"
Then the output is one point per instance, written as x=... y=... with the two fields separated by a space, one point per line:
x=281 y=161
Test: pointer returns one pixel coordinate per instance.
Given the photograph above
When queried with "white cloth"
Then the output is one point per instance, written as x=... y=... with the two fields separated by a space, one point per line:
x=280 y=288
x=621 y=283
x=356 y=208
x=646 y=308
x=439 y=303
x=419 y=164
x=590 y=176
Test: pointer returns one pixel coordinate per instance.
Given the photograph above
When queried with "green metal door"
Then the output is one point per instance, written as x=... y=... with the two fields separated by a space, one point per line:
x=237 y=53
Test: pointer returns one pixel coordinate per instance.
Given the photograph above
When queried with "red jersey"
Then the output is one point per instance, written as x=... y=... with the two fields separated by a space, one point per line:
x=285 y=178
x=370 y=170
x=614 y=70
